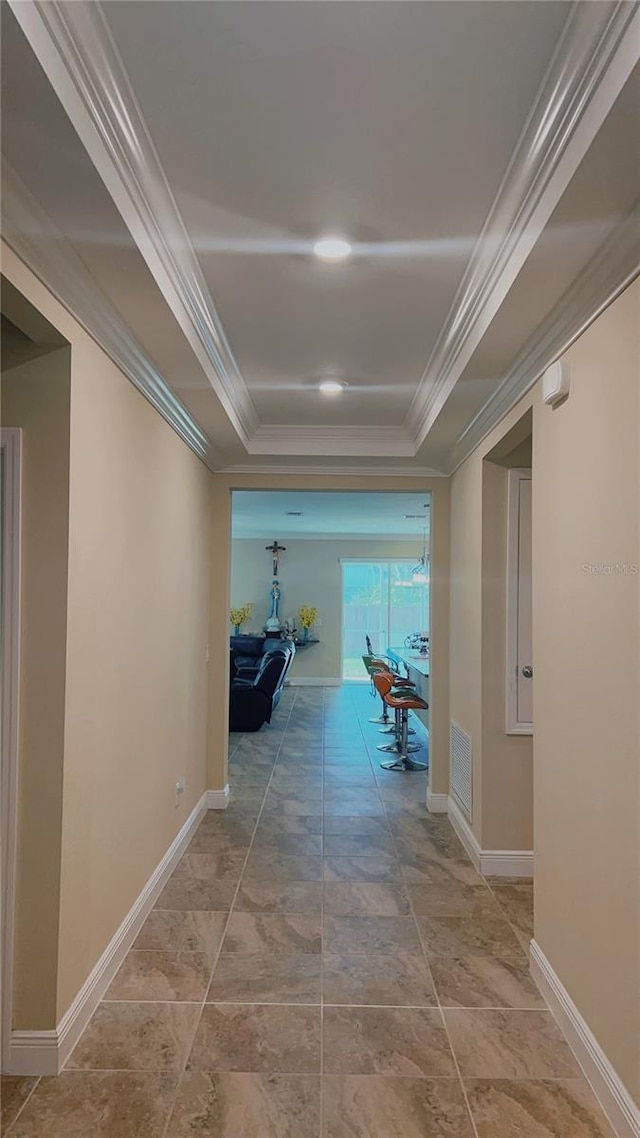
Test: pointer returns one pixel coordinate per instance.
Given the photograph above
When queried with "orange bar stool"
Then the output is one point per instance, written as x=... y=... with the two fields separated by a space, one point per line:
x=402 y=683
x=384 y=664
x=404 y=703
x=377 y=664
x=384 y=683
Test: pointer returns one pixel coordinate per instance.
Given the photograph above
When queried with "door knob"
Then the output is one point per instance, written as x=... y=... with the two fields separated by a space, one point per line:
x=527 y=671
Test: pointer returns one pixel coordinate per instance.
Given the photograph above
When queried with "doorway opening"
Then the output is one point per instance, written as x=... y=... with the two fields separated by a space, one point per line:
x=33 y=501
x=504 y=778
x=322 y=570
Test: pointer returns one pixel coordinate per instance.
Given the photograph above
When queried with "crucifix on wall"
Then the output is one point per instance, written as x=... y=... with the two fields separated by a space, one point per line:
x=275 y=550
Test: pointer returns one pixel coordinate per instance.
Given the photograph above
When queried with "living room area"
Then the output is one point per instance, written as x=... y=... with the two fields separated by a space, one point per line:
x=314 y=575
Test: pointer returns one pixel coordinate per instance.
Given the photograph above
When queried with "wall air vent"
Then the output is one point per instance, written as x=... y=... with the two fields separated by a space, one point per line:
x=460 y=768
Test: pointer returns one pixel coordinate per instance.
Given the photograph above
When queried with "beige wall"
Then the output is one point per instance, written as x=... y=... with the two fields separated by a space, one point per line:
x=136 y=709
x=502 y=764
x=587 y=680
x=310 y=573
x=219 y=629
x=36 y=397
x=135 y=701
x=586 y=637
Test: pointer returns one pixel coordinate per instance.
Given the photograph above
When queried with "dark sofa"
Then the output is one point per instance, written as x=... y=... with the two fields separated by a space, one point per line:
x=247 y=652
x=255 y=690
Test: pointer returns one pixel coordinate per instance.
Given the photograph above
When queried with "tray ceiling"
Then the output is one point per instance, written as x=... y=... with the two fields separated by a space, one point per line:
x=477 y=156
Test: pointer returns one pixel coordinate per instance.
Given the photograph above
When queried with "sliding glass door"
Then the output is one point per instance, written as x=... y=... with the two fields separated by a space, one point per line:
x=379 y=600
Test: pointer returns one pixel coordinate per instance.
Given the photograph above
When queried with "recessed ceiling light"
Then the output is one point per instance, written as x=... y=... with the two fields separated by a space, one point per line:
x=332 y=249
x=331 y=386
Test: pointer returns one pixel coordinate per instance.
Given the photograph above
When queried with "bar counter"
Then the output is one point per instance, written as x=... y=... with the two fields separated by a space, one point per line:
x=418 y=672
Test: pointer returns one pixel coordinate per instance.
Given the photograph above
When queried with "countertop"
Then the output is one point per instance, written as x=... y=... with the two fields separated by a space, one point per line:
x=411 y=658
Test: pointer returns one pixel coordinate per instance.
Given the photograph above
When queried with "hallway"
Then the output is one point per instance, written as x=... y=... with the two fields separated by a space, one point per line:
x=323 y=930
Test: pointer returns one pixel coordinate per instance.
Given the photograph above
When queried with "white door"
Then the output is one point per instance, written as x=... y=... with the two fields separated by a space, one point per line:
x=519 y=605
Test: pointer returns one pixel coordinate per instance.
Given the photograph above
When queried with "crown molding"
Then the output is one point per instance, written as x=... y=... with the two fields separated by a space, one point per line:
x=37 y=241
x=598 y=48
x=334 y=441
x=77 y=53
x=326 y=471
x=607 y=274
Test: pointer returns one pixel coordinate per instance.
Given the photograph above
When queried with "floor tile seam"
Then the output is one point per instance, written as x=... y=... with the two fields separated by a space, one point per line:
x=507 y=1011
x=455 y=1057
x=457 y=1067
x=255 y=829
x=169 y=1071
x=387 y=952
x=264 y=1004
x=393 y=1075
x=581 y=1078
x=388 y=1007
x=155 y=1000
x=222 y=912
x=412 y=914
x=364 y=741
x=447 y=956
x=577 y=1079
x=170 y=951
x=224 y=933
x=119 y=1071
x=486 y=1008
x=203 y=1003
x=21 y=1109
x=438 y=1004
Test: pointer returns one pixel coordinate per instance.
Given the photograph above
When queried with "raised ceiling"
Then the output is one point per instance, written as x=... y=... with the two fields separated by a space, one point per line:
x=480 y=157
x=329 y=514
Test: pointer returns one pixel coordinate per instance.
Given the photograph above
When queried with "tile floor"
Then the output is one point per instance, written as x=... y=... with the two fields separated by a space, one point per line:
x=324 y=963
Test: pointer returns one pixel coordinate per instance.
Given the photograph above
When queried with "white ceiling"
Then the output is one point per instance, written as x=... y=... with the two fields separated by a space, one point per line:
x=173 y=209
x=277 y=122
x=266 y=513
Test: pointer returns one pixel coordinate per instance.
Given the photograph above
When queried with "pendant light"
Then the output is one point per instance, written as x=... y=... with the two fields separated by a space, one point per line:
x=420 y=571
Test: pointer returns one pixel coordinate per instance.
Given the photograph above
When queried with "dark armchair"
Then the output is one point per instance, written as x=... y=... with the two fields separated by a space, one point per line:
x=253 y=701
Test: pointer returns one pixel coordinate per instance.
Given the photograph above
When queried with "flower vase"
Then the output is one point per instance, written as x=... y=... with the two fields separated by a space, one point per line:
x=305 y=635
x=236 y=630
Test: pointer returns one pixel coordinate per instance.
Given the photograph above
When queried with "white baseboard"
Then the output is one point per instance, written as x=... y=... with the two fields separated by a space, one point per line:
x=464 y=832
x=506 y=863
x=491 y=863
x=33 y=1053
x=218 y=799
x=614 y=1098
x=46 y=1052
x=314 y=681
x=437 y=803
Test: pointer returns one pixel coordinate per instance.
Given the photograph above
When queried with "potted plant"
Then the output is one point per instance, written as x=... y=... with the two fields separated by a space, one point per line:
x=239 y=615
x=307 y=617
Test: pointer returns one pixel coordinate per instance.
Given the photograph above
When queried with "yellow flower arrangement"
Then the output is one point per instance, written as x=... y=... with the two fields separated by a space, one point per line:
x=308 y=616
x=238 y=616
